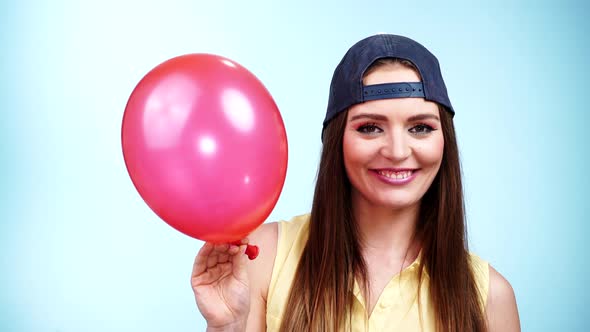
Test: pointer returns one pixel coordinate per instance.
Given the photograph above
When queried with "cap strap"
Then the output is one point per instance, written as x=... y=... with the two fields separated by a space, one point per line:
x=393 y=90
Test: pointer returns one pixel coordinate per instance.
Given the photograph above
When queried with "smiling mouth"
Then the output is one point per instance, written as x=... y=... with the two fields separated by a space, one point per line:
x=396 y=175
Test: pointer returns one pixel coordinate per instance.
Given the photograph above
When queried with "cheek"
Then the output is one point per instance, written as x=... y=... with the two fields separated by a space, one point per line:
x=356 y=151
x=349 y=149
x=430 y=152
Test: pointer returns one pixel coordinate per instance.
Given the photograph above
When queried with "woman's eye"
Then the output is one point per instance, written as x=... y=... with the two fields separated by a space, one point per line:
x=421 y=129
x=369 y=129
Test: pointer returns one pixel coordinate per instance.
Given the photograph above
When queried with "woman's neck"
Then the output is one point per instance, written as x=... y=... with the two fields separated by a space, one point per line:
x=385 y=230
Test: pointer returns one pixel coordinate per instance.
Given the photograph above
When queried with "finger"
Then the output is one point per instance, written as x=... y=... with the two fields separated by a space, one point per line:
x=212 y=275
x=251 y=250
x=234 y=249
x=221 y=253
x=240 y=242
x=212 y=260
x=222 y=258
x=221 y=247
x=200 y=264
x=207 y=278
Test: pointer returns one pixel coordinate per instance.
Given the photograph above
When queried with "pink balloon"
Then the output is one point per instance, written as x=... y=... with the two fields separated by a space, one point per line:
x=205 y=146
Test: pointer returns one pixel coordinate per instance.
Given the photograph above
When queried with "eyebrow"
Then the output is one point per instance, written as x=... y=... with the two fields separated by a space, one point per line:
x=379 y=117
x=376 y=117
x=423 y=116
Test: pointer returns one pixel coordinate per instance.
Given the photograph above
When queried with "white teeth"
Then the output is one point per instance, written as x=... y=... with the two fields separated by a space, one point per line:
x=396 y=175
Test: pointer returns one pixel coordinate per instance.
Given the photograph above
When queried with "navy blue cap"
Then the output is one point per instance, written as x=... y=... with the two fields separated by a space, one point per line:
x=347 y=87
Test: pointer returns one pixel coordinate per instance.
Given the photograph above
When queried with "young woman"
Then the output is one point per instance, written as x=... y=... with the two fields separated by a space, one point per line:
x=384 y=247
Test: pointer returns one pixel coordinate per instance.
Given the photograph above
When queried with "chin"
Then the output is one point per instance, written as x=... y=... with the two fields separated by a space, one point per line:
x=396 y=203
x=387 y=199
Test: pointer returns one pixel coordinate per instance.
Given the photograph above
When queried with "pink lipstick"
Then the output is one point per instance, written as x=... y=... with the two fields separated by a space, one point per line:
x=395 y=176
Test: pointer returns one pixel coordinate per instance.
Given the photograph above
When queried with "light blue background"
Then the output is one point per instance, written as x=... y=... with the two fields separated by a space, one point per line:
x=79 y=249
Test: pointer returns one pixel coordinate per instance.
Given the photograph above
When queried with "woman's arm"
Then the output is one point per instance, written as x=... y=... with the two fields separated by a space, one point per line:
x=501 y=309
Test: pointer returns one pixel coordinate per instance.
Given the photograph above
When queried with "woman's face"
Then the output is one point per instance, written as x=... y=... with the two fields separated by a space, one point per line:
x=392 y=148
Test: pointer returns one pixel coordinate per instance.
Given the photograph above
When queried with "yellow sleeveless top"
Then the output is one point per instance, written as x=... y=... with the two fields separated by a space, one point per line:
x=397 y=307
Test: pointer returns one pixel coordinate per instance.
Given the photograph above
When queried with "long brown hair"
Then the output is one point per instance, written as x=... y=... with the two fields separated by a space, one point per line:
x=321 y=295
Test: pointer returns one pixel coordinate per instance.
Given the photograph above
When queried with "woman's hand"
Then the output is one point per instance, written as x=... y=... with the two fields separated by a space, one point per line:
x=221 y=286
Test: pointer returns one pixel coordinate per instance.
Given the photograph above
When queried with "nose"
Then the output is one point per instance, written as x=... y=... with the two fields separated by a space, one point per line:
x=396 y=146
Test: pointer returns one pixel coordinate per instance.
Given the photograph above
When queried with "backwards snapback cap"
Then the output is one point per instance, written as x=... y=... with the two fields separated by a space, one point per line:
x=347 y=87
